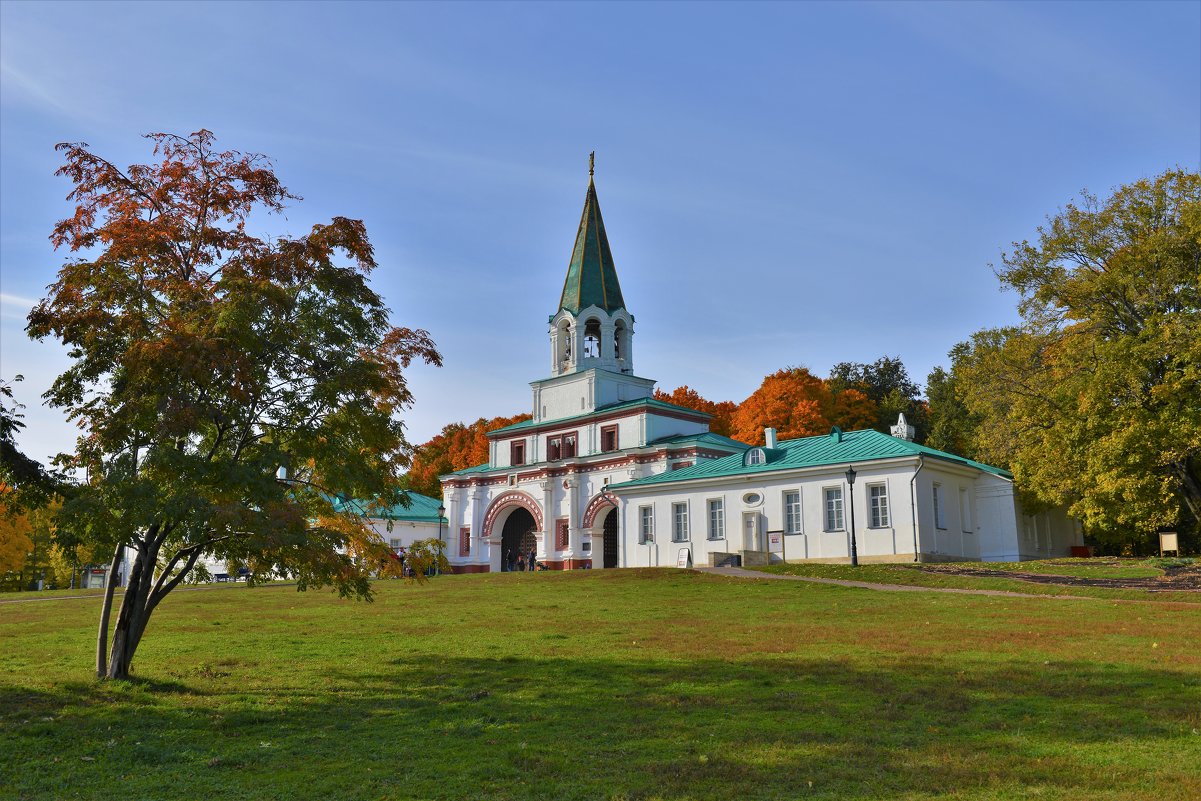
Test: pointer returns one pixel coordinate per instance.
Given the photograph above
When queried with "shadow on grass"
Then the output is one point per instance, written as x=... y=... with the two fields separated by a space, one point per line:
x=592 y=728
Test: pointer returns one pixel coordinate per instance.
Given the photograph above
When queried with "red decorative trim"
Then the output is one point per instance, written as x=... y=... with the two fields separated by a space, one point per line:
x=558 y=469
x=464 y=542
x=550 y=425
x=594 y=508
x=511 y=498
x=470 y=569
x=562 y=534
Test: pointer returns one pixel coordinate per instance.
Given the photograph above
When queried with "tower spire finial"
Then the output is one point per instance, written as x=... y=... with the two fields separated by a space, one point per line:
x=591 y=163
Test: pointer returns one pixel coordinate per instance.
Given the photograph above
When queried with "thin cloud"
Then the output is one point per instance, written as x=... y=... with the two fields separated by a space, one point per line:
x=17 y=301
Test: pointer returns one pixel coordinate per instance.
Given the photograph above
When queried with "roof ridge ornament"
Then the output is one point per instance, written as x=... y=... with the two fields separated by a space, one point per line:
x=591 y=163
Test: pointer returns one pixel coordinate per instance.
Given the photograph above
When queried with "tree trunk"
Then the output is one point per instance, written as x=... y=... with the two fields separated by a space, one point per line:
x=126 y=633
x=105 y=610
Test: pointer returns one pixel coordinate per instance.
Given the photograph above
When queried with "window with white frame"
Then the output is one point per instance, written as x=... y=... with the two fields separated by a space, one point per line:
x=755 y=456
x=717 y=519
x=679 y=522
x=792 y=512
x=833 y=497
x=940 y=512
x=646 y=524
x=965 y=510
x=877 y=496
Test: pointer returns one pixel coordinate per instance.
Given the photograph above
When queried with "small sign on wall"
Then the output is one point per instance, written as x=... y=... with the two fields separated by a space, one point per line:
x=1168 y=542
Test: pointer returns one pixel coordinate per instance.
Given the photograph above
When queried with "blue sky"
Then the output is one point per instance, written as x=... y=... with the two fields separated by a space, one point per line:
x=782 y=183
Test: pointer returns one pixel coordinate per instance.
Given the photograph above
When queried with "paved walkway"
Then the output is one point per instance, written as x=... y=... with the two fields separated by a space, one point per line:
x=738 y=572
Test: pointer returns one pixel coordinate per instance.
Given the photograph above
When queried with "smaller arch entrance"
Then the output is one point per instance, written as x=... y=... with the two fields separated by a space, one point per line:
x=517 y=538
x=610 y=539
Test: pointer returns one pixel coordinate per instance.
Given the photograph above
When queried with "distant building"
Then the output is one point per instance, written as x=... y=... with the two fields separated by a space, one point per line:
x=604 y=475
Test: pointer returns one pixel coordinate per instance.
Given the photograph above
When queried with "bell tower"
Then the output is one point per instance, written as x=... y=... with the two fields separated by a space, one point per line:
x=592 y=328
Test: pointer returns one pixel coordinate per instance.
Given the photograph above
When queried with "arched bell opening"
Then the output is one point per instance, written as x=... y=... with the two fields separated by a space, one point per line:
x=592 y=339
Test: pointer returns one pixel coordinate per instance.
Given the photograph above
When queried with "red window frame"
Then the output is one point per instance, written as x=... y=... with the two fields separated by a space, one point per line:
x=563 y=445
x=517 y=452
x=608 y=438
x=681 y=465
x=464 y=542
x=562 y=534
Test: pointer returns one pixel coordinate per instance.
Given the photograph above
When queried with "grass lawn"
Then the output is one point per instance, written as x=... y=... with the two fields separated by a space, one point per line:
x=931 y=576
x=631 y=684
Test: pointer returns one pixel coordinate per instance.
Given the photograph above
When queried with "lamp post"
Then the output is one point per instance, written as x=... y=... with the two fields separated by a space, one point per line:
x=438 y=564
x=854 y=547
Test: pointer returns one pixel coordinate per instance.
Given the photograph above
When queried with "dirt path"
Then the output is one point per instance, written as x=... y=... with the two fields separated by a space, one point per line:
x=738 y=572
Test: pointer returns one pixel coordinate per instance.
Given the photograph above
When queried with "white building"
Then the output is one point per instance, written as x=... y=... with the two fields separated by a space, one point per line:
x=604 y=475
x=796 y=501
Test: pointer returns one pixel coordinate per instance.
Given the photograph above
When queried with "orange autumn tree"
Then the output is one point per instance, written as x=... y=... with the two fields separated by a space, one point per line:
x=799 y=404
x=457 y=446
x=722 y=411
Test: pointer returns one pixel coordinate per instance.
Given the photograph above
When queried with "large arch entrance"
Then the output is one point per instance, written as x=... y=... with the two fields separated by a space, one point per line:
x=518 y=537
x=610 y=539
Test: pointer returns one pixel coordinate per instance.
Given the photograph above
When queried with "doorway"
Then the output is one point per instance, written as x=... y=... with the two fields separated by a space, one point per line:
x=517 y=537
x=611 y=547
x=752 y=536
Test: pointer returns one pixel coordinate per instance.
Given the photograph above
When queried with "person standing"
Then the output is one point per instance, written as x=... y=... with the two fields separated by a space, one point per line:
x=533 y=563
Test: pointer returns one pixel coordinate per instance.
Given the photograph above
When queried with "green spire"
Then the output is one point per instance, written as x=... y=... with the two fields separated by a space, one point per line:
x=591 y=277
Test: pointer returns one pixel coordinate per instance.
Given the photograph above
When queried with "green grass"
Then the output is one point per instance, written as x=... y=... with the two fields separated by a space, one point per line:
x=608 y=685
x=930 y=576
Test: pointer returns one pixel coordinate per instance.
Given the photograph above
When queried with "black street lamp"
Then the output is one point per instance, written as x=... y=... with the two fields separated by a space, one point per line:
x=854 y=547
x=441 y=513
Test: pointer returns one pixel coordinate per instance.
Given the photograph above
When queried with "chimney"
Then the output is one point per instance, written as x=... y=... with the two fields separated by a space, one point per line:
x=902 y=430
x=769 y=437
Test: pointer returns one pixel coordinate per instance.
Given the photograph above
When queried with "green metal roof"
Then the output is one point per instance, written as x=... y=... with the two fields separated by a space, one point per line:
x=707 y=438
x=591 y=276
x=421 y=509
x=649 y=403
x=828 y=449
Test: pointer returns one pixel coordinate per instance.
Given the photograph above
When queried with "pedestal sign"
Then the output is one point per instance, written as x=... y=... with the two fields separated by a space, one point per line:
x=1167 y=542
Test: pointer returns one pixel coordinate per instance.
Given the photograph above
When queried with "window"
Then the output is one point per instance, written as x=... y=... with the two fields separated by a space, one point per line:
x=755 y=456
x=792 y=512
x=877 y=495
x=608 y=438
x=717 y=519
x=394 y=544
x=464 y=542
x=833 y=508
x=679 y=522
x=965 y=510
x=517 y=452
x=940 y=513
x=561 y=535
x=681 y=465
x=560 y=446
x=646 y=524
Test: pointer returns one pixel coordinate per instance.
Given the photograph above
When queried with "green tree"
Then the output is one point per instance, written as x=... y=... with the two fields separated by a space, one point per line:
x=25 y=478
x=952 y=427
x=1095 y=399
x=887 y=384
x=227 y=386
